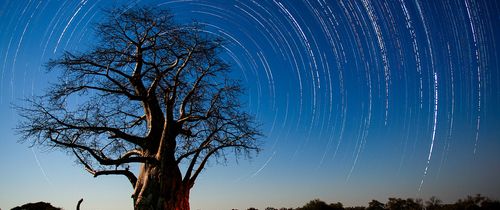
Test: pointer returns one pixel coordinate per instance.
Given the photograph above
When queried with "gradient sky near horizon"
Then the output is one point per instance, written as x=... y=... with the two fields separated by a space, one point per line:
x=358 y=100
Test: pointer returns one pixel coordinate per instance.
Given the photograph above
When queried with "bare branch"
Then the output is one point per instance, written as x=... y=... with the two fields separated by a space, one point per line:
x=130 y=176
x=150 y=92
x=116 y=133
x=103 y=160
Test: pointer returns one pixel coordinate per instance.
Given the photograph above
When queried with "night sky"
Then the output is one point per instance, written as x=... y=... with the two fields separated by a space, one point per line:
x=358 y=100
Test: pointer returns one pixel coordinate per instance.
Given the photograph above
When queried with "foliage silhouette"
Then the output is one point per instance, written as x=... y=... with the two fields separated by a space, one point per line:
x=36 y=206
x=470 y=203
x=433 y=203
x=317 y=204
x=375 y=205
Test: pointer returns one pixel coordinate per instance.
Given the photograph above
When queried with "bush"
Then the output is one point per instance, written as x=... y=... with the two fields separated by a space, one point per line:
x=36 y=206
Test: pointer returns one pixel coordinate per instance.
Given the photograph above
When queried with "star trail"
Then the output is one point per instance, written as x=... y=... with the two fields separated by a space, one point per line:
x=358 y=100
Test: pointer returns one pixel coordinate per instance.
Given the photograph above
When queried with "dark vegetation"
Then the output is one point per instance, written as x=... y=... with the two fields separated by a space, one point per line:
x=36 y=206
x=477 y=202
x=42 y=206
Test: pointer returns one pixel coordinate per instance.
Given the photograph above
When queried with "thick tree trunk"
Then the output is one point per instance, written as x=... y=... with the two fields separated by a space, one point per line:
x=161 y=188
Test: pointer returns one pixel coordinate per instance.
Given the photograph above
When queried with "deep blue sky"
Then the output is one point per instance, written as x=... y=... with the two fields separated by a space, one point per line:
x=359 y=100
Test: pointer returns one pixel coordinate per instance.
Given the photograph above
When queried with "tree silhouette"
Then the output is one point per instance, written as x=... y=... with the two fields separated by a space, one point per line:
x=317 y=204
x=36 y=206
x=470 y=203
x=151 y=92
x=375 y=205
x=398 y=203
x=336 y=206
x=416 y=204
x=433 y=203
x=489 y=204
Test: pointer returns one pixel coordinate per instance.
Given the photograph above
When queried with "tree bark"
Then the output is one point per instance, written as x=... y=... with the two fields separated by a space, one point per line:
x=160 y=187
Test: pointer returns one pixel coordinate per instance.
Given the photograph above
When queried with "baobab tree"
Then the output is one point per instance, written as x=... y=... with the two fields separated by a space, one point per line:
x=150 y=92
